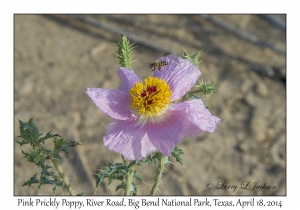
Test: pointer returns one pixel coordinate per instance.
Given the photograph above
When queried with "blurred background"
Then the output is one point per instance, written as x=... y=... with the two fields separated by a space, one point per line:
x=57 y=56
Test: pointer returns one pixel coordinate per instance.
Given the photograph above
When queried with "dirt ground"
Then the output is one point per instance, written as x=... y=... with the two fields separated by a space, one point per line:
x=57 y=56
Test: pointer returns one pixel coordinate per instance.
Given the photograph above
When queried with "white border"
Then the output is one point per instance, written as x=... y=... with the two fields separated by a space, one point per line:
x=8 y=8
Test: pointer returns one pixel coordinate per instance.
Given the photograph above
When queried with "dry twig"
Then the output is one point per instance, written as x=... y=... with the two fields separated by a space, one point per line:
x=275 y=21
x=131 y=36
x=242 y=34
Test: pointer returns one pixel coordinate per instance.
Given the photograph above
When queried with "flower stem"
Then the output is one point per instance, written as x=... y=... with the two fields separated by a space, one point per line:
x=195 y=91
x=129 y=176
x=162 y=161
x=63 y=176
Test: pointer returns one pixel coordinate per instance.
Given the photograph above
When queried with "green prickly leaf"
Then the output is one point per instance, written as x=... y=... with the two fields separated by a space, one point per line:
x=120 y=186
x=25 y=153
x=47 y=136
x=133 y=189
x=193 y=58
x=29 y=132
x=207 y=88
x=149 y=159
x=99 y=180
x=35 y=157
x=137 y=176
x=45 y=172
x=21 y=143
x=56 y=156
x=59 y=143
x=47 y=151
x=111 y=172
x=56 y=182
x=176 y=153
x=32 y=180
x=54 y=190
x=110 y=179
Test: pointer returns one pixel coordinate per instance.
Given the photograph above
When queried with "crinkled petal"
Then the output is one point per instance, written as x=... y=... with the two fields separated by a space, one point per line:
x=166 y=133
x=128 y=79
x=200 y=119
x=114 y=103
x=128 y=138
x=180 y=74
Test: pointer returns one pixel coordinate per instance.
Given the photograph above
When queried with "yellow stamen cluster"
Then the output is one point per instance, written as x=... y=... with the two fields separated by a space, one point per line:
x=151 y=97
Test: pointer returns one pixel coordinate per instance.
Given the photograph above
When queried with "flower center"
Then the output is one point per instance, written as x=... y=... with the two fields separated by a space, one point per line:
x=151 y=97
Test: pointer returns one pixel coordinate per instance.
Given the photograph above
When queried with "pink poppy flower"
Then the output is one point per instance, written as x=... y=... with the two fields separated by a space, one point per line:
x=145 y=118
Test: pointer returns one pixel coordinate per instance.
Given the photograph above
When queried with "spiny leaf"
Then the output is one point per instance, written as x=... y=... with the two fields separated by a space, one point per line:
x=193 y=58
x=47 y=136
x=21 y=143
x=54 y=190
x=32 y=180
x=137 y=176
x=176 y=152
x=207 y=88
x=36 y=157
x=149 y=159
x=56 y=156
x=25 y=153
x=99 y=180
x=46 y=173
x=133 y=189
x=29 y=132
x=120 y=186
x=46 y=151
x=60 y=144
x=56 y=182
x=111 y=172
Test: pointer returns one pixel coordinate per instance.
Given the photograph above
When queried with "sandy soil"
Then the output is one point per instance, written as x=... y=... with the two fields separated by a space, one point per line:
x=57 y=57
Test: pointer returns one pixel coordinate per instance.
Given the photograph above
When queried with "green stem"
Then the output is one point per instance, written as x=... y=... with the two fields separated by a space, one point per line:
x=63 y=176
x=195 y=91
x=192 y=92
x=162 y=161
x=129 y=176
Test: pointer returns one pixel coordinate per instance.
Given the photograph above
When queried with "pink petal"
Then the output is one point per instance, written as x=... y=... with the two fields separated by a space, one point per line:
x=128 y=79
x=128 y=138
x=114 y=103
x=180 y=74
x=200 y=119
x=165 y=134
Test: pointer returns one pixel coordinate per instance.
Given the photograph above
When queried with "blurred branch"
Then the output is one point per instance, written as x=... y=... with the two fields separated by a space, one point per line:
x=117 y=31
x=193 y=27
x=242 y=34
x=275 y=21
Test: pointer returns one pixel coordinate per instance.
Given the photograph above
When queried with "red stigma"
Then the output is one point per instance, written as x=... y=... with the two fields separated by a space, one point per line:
x=150 y=90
